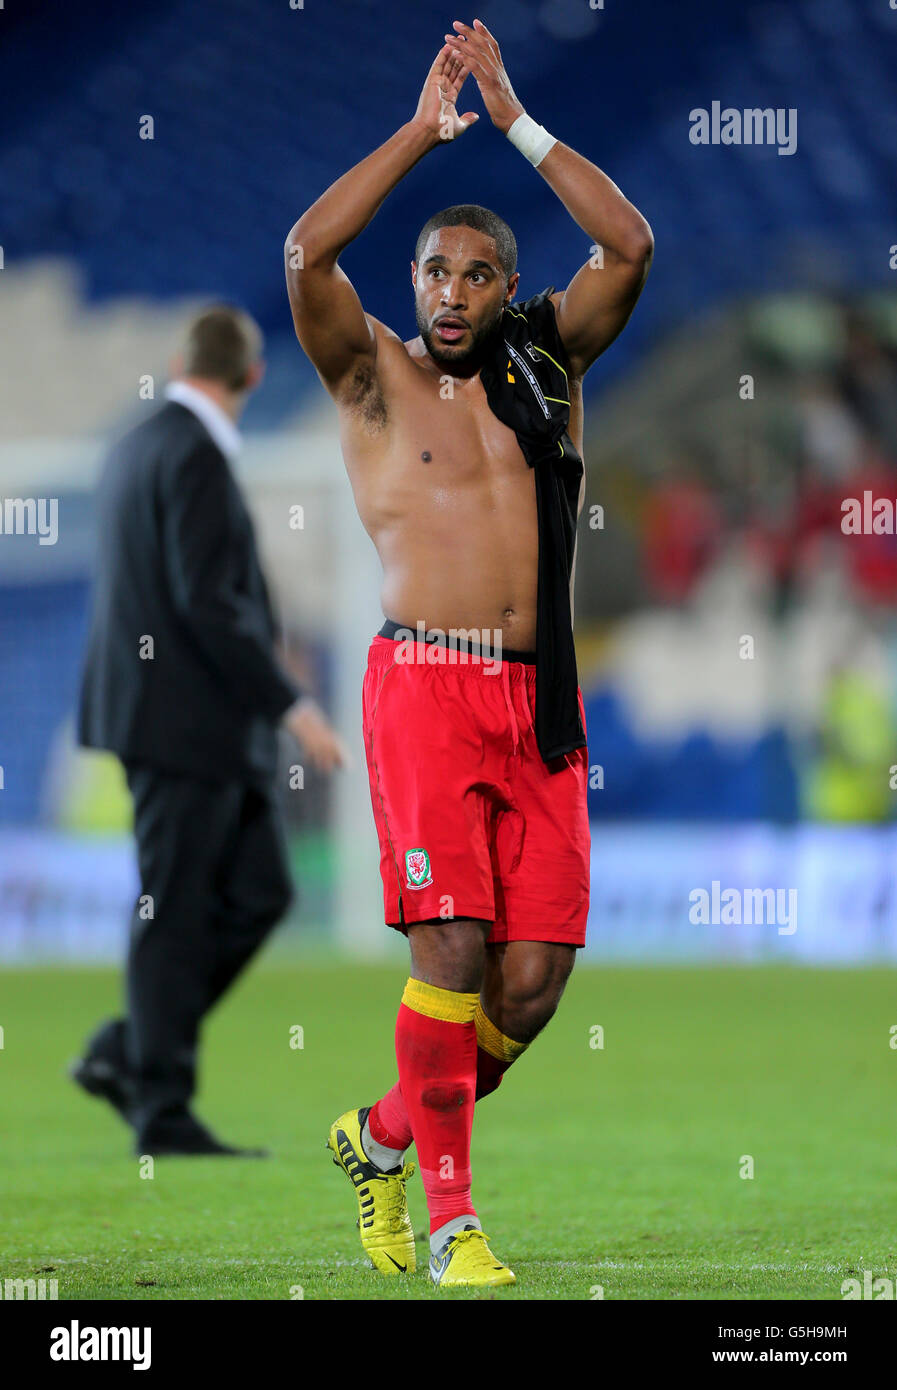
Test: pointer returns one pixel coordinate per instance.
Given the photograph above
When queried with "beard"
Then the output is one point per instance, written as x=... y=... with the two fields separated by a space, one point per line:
x=463 y=361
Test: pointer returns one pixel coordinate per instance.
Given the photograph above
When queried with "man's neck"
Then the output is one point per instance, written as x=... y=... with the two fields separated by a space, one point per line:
x=466 y=369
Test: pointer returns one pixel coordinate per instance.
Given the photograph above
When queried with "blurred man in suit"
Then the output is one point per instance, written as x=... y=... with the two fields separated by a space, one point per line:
x=182 y=682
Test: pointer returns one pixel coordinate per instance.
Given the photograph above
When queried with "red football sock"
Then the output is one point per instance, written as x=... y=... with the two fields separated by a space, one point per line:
x=495 y=1053
x=388 y=1120
x=436 y=1049
x=490 y=1071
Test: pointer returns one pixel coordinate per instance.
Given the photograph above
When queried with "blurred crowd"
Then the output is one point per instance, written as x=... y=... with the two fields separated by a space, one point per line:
x=842 y=443
x=828 y=450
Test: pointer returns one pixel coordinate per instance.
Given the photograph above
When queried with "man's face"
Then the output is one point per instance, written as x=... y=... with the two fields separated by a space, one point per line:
x=459 y=292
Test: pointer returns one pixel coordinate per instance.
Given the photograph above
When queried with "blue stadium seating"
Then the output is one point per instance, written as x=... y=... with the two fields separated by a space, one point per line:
x=258 y=107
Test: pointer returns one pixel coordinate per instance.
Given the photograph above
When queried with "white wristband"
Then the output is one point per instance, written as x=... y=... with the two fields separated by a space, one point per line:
x=530 y=139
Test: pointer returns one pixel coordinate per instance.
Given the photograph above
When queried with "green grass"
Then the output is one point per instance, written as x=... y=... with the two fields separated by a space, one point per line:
x=616 y=1167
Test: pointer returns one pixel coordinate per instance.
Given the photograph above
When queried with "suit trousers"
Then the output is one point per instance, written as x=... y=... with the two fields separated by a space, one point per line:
x=214 y=880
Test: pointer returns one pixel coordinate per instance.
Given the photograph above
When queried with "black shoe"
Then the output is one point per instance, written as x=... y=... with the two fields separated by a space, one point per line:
x=103 y=1072
x=185 y=1135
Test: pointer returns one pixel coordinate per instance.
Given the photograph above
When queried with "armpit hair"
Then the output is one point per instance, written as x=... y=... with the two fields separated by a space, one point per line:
x=363 y=394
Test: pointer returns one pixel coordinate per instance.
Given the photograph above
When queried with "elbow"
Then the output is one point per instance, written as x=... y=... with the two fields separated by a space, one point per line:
x=639 y=249
x=304 y=249
x=294 y=248
x=301 y=234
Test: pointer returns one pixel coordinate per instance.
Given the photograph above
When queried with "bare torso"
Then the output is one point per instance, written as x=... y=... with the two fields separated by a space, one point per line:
x=445 y=493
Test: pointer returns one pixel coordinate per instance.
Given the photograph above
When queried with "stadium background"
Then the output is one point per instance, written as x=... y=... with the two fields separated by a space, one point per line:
x=721 y=515
x=610 y=1161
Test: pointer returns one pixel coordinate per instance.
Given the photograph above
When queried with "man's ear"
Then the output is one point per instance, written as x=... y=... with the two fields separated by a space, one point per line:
x=414 y=274
x=513 y=282
x=255 y=375
x=176 y=365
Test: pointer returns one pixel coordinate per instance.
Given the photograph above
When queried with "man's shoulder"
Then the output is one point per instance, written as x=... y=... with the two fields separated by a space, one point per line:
x=170 y=423
x=159 y=447
x=538 y=308
x=382 y=331
x=391 y=348
x=536 y=317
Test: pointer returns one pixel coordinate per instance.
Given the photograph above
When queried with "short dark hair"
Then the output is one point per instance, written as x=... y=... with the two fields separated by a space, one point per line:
x=221 y=344
x=481 y=220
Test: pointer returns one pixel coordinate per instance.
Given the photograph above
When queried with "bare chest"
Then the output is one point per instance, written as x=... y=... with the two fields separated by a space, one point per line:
x=435 y=433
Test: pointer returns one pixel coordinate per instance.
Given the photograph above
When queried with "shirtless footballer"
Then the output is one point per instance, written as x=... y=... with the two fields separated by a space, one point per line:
x=484 y=845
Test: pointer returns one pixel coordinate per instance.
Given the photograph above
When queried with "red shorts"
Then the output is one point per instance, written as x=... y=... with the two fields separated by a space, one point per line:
x=471 y=822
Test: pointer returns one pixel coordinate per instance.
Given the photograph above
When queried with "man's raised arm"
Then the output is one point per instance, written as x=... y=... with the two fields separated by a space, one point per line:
x=331 y=325
x=601 y=296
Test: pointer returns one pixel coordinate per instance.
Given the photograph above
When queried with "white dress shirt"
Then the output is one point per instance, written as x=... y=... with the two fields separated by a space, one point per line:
x=219 y=424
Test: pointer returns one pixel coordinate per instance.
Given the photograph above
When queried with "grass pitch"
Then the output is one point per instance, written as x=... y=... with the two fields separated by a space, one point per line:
x=613 y=1168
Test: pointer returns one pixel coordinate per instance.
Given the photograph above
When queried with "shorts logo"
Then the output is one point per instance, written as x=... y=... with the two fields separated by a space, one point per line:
x=417 y=868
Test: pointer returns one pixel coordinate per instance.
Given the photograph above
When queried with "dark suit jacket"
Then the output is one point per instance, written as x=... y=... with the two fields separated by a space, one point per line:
x=177 y=563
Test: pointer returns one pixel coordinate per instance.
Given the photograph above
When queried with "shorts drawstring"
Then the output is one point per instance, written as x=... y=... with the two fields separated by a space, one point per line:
x=529 y=709
x=506 y=689
x=509 y=702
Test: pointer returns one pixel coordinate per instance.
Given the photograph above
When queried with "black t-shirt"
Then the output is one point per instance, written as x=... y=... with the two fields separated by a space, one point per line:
x=527 y=387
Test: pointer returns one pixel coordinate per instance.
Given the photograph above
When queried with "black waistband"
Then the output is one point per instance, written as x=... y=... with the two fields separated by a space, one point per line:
x=455 y=644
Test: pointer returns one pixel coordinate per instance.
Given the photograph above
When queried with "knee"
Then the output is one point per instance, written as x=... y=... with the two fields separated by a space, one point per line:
x=530 y=996
x=526 y=1015
x=448 y=955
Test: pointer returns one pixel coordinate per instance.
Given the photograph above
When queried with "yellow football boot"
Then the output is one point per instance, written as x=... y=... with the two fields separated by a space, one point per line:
x=466 y=1259
x=383 y=1221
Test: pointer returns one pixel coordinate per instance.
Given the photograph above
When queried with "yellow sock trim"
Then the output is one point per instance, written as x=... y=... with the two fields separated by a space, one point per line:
x=491 y=1039
x=434 y=1002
